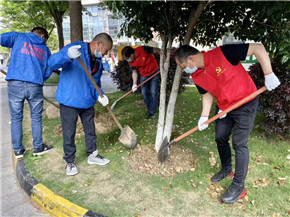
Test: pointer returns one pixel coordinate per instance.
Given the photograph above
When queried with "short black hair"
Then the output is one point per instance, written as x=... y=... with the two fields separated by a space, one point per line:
x=104 y=38
x=127 y=51
x=185 y=51
x=40 y=31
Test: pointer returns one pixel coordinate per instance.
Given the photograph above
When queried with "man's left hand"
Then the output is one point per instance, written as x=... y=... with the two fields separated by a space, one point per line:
x=271 y=81
x=103 y=100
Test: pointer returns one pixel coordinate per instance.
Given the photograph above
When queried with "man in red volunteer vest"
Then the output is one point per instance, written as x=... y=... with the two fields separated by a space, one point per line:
x=219 y=73
x=143 y=60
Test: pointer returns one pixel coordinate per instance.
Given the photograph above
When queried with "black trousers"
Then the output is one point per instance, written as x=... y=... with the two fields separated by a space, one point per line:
x=240 y=123
x=69 y=117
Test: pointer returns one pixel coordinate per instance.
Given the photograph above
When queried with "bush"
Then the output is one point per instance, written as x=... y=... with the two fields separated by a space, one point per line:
x=274 y=105
x=122 y=75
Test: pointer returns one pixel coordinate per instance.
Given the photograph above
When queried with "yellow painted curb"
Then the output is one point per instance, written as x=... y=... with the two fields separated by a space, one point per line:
x=15 y=160
x=55 y=204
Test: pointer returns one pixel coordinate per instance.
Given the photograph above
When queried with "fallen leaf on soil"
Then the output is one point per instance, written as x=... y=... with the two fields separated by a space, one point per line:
x=74 y=191
x=261 y=182
x=281 y=181
x=208 y=175
x=212 y=159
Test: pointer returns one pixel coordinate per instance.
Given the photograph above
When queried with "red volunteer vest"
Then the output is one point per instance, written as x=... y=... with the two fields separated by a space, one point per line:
x=228 y=83
x=145 y=63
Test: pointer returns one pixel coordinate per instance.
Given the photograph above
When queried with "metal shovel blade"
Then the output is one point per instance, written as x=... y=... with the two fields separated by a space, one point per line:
x=128 y=137
x=163 y=150
x=113 y=105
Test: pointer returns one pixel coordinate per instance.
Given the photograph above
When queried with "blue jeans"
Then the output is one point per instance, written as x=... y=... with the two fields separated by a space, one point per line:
x=18 y=92
x=150 y=92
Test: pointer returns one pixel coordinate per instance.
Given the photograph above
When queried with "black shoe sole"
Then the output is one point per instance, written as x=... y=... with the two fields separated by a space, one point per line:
x=241 y=196
x=19 y=156
x=41 y=153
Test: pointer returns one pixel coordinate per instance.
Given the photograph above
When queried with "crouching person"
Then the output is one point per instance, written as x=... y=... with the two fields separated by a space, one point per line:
x=77 y=96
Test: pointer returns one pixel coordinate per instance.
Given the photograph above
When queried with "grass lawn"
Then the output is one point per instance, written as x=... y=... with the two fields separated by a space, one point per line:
x=118 y=190
x=54 y=79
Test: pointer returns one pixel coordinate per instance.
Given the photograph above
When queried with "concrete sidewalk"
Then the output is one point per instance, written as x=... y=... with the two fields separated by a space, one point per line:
x=14 y=201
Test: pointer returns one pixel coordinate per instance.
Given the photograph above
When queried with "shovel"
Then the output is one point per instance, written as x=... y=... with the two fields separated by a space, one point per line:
x=164 y=148
x=113 y=105
x=127 y=137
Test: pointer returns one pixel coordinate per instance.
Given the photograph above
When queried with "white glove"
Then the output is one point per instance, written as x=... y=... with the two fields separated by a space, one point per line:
x=103 y=100
x=271 y=81
x=134 y=87
x=201 y=126
x=73 y=52
x=221 y=117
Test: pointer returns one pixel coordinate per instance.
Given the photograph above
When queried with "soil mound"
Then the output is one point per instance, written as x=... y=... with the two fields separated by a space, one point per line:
x=103 y=123
x=143 y=159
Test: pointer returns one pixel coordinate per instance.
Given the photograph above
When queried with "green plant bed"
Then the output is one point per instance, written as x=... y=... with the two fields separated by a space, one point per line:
x=120 y=190
x=53 y=79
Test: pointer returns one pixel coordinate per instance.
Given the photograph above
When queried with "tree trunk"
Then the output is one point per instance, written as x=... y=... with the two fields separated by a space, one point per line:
x=76 y=24
x=194 y=15
x=57 y=15
x=166 y=46
x=58 y=22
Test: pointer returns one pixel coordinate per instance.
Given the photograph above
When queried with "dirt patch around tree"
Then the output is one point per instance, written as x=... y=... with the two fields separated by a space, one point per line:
x=103 y=123
x=143 y=159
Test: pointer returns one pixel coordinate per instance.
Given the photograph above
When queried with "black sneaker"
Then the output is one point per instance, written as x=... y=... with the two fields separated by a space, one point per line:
x=19 y=154
x=221 y=175
x=44 y=149
x=234 y=193
x=150 y=115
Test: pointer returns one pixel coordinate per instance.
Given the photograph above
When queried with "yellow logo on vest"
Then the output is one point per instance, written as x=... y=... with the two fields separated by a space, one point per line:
x=219 y=71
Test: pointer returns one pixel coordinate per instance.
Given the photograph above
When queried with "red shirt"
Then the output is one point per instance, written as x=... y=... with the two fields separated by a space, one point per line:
x=144 y=62
x=228 y=83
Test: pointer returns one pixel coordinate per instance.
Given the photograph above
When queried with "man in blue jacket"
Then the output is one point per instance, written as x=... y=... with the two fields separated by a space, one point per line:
x=77 y=95
x=27 y=71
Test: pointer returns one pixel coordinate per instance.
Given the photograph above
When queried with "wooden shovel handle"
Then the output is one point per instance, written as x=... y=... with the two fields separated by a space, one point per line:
x=5 y=73
x=99 y=92
x=140 y=85
x=238 y=104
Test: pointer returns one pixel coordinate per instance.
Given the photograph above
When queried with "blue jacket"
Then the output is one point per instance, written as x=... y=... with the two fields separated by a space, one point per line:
x=75 y=88
x=29 y=57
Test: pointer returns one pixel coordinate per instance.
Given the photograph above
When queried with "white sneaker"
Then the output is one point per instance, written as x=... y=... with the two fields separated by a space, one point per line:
x=71 y=169
x=97 y=159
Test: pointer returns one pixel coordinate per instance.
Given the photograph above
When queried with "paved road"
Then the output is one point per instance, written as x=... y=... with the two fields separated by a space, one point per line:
x=14 y=201
x=107 y=83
